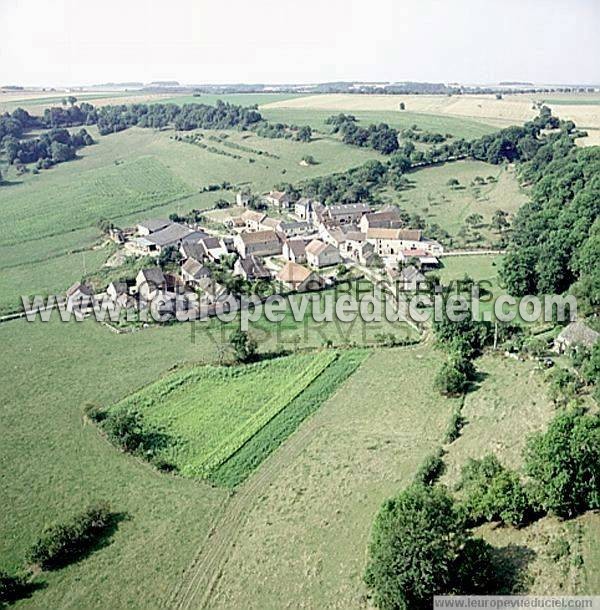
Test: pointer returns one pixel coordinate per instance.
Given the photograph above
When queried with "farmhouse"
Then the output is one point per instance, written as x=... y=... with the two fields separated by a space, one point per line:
x=118 y=292
x=278 y=199
x=151 y=226
x=260 y=243
x=192 y=271
x=297 y=277
x=388 y=219
x=347 y=213
x=295 y=250
x=291 y=228
x=576 y=334
x=251 y=268
x=319 y=254
x=252 y=219
x=80 y=298
x=150 y=282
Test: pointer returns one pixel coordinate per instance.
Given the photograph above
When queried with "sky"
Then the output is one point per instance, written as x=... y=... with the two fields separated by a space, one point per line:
x=79 y=42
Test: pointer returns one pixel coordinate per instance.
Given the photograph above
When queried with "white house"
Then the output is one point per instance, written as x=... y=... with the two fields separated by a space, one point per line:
x=319 y=254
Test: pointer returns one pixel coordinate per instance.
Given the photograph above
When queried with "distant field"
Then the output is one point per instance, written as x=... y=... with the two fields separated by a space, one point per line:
x=211 y=412
x=430 y=196
x=242 y=99
x=456 y=126
x=511 y=110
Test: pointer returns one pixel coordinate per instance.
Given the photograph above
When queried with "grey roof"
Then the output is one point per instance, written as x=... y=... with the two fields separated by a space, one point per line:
x=195 y=269
x=253 y=267
x=153 y=275
x=210 y=242
x=348 y=208
x=297 y=246
x=120 y=287
x=170 y=235
x=154 y=224
x=579 y=333
x=79 y=287
x=192 y=250
x=411 y=274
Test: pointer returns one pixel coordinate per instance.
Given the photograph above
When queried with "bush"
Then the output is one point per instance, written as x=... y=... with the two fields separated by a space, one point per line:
x=494 y=493
x=421 y=548
x=457 y=421
x=564 y=463
x=244 y=347
x=450 y=380
x=127 y=429
x=64 y=542
x=431 y=469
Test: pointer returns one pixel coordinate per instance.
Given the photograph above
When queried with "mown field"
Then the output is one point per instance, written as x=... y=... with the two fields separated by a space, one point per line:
x=456 y=126
x=512 y=109
x=305 y=539
x=429 y=195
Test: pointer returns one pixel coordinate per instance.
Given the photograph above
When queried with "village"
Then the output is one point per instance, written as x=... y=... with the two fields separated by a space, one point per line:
x=302 y=246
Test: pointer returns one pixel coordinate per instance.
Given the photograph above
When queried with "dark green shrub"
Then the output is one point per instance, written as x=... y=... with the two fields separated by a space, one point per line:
x=62 y=543
x=431 y=469
x=421 y=548
x=564 y=463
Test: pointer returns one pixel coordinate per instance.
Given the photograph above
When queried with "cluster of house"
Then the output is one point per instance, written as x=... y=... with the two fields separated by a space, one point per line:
x=297 y=249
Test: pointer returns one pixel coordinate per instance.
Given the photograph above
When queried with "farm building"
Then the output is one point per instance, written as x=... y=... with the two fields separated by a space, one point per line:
x=150 y=282
x=252 y=219
x=577 y=334
x=295 y=250
x=214 y=248
x=192 y=271
x=400 y=242
x=174 y=235
x=80 y=298
x=278 y=199
x=151 y=226
x=320 y=254
x=388 y=219
x=260 y=243
x=410 y=278
x=347 y=213
x=192 y=250
x=297 y=277
x=251 y=268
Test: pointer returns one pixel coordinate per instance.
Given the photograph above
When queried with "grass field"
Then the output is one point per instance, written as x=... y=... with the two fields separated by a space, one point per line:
x=210 y=413
x=508 y=406
x=430 y=196
x=126 y=177
x=305 y=537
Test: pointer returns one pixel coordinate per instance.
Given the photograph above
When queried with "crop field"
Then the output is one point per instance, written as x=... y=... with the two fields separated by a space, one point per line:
x=212 y=412
x=242 y=99
x=429 y=195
